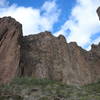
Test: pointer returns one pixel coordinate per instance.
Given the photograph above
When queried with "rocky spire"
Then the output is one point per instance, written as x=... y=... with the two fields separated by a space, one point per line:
x=98 y=12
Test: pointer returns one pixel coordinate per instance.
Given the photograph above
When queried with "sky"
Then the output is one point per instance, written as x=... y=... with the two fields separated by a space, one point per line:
x=75 y=19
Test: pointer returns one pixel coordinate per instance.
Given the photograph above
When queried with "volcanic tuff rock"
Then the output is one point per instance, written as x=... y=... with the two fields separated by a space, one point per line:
x=10 y=34
x=45 y=56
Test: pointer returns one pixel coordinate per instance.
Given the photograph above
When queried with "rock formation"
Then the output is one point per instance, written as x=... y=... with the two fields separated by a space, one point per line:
x=10 y=34
x=45 y=56
x=98 y=12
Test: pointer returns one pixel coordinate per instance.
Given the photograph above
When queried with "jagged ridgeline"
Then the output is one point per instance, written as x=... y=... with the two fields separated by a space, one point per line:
x=44 y=56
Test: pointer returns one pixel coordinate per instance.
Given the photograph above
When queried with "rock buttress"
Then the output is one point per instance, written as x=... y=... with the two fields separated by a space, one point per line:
x=10 y=34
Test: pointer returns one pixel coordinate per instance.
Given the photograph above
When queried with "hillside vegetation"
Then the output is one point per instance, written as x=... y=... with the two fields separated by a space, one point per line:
x=43 y=89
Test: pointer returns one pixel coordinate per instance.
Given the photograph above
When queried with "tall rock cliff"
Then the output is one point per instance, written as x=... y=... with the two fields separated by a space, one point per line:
x=10 y=33
x=45 y=56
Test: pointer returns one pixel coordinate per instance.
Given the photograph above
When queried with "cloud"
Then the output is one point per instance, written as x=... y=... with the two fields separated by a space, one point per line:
x=33 y=20
x=3 y=3
x=96 y=41
x=83 y=21
x=82 y=24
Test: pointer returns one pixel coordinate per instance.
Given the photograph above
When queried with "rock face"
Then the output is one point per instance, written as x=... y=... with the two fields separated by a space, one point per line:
x=45 y=56
x=94 y=62
x=85 y=63
x=98 y=12
x=10 y=33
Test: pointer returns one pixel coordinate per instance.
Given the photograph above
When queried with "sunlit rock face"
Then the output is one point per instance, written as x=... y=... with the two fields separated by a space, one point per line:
x=45 y=56
x=10 y=33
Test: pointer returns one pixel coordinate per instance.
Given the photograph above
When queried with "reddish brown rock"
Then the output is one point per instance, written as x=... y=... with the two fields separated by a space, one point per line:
x=45 y=56
x=10 y=34
x=94 y=61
